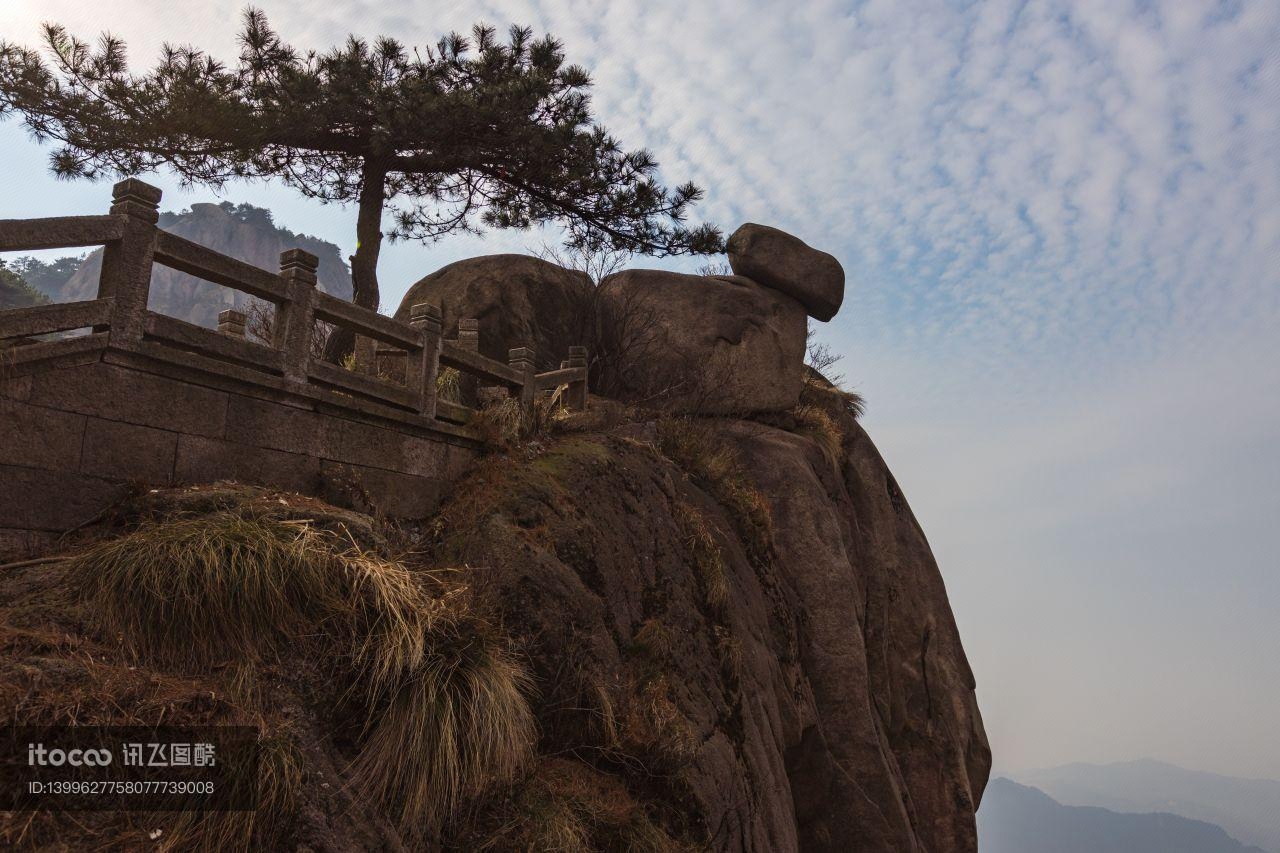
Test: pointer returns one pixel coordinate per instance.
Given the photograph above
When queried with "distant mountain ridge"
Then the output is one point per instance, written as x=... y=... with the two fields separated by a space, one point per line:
x=15 y=292
x=244 y=232
x=1019 y=819
x=1248 y=809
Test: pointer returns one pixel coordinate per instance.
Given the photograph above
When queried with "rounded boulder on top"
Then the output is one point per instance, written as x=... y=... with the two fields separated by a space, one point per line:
x=785 y=263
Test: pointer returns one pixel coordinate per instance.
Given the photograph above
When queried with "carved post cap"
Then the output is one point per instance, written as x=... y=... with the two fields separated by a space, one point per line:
x=424 y=315
x=423 y=311
x=469 y=325
x=298 y=259
x=132 y=189
x=520 y=354
x=232 y=322
x=137 y=200
x=300 y=266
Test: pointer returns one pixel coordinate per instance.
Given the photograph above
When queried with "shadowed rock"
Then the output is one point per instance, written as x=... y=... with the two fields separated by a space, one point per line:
x=786 y=263
x=714 y=345
x=520 y=301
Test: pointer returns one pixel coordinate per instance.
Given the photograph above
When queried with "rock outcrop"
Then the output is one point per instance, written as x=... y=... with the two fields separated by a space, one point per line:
x=708 y=622
x=712 y=345
x=776 y=611
x=520 y=301
x=788 y=264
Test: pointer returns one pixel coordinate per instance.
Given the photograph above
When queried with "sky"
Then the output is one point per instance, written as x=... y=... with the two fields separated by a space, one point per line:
x=1060 y=223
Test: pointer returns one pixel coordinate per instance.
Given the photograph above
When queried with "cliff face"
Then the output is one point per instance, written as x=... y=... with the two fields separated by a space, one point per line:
x=244 y=233
x=775 y=614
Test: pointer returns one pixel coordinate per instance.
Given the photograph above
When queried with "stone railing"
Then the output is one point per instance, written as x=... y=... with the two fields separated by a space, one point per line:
x=120 y=320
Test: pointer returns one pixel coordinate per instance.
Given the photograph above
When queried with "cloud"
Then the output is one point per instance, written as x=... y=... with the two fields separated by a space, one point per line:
x=1000 y=179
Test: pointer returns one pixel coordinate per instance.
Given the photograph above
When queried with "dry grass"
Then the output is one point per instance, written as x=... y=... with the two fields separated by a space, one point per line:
x=568 y=807
x=504 y=423
x=459 y=725
x=654 y=640
x=443 y=703
x=702 y=450
x=822 y=392
x=707 y=557
x=651 y=725
x=814 y=422
x=632 y=720
x=449 y=384
x=280 y=781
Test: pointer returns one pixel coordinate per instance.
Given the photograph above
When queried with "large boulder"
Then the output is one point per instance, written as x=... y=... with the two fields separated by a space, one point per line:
x=786 y=263
x=712 y=345
x=520 y=301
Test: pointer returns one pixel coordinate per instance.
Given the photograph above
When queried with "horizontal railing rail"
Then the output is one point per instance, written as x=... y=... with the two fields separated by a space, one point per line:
x=198 y=339
x=59 y=232
x=202 y=262
x=59 y=317
x=364 y=321
x=120 y=319
x=458 y=356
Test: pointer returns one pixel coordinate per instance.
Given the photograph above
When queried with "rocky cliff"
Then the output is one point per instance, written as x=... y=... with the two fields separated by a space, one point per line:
x=244 y=232
x=681 y=621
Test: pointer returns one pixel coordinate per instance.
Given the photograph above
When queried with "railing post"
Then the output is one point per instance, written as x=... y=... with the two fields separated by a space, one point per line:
x=578 y=387
x=232 y=322
x=295 y=317
x=365 y=355
x=469 y=334
x=126 y=263
x=423 y=368
x=469 y=337
x=522 y=359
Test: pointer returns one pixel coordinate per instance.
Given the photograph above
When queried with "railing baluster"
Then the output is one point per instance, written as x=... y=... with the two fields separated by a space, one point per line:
x=126 y=263
x=578 y=388
x=424 y=367
x=469 y=338
x=295 y=317
x=522 y=359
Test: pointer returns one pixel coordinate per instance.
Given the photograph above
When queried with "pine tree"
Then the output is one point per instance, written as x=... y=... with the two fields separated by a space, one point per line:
x=471 y=133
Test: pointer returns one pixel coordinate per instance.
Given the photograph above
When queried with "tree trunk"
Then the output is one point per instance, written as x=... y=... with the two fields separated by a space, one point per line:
x=364 y=263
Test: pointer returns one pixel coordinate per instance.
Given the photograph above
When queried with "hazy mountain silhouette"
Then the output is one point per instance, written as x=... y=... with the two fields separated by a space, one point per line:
x=1248 y=809
x=1017 y=819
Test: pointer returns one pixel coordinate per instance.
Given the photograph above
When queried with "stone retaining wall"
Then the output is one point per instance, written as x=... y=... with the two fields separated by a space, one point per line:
x=76 y=439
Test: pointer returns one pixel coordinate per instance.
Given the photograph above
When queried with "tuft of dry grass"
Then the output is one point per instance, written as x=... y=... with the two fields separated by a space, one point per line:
x=814 y=422
x=280 y=781
x=707 y=557
x=444 y=704
x=820 y=391
x=460 y=725
x=569 y=807
x=654 y=640
x=449 y=384
x=505 y=423
x=702 y=451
